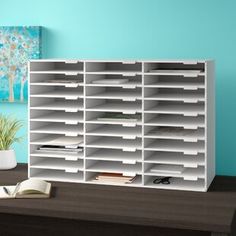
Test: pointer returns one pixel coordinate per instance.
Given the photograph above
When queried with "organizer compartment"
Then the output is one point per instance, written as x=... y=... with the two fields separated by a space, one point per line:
x=57 y=66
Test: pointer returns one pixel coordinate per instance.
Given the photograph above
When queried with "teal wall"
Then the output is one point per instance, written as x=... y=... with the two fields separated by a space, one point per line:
x=99 y=29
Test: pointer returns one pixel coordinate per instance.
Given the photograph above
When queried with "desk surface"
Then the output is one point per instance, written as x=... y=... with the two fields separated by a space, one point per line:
x=211 y=211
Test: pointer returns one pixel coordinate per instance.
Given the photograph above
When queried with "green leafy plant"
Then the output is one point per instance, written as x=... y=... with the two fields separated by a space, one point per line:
x=9 y=127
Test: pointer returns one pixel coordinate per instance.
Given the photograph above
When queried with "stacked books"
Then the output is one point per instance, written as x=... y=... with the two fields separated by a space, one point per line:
x=114 y=178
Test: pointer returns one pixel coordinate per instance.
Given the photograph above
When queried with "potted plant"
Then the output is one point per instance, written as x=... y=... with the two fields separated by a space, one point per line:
x=8 y=129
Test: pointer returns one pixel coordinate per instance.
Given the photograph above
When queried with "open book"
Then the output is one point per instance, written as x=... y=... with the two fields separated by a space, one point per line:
x=31 y=188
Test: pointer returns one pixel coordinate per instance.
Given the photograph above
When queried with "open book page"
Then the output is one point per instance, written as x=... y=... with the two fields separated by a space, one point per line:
x=33 y=186
x=10 y=190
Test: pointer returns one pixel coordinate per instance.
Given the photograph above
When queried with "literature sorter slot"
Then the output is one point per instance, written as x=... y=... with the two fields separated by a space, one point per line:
x=57 y=66
x=172 y=107
x=57 y=117
x=153 y=144
x=114 y=143
x=57 y=80
x=178 y=68
x=172 y=120
x=177 y=133
x=174 y=94
x=55 y=92
x=57 y=164
x=167 y=81
x=56 y=104
x=114 y=131
x=113 y=105
x=114 y=81
x=128 y=123
x=174 y=170
x=41 y=150
x=56 y=128
x=56 y=175
x=116 y=118
x=114 y=67
x=175 y=183
x=114 y=155
x=113 y=167
x=174 y=158
x=114 y=93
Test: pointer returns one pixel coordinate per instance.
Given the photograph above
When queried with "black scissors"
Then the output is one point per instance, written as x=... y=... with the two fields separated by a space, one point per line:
x=162 y=180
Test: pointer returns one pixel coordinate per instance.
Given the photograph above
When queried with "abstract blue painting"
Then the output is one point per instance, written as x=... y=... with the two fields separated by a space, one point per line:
x=18 y=44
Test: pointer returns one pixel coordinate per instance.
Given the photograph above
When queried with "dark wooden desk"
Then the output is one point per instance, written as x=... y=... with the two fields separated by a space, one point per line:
x=83 y=209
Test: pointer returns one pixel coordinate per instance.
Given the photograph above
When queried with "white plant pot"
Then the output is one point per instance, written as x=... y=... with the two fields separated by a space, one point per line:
x=7 y=159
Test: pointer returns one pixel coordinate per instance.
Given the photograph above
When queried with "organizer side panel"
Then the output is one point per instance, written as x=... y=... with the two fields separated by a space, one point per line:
x=210 y=123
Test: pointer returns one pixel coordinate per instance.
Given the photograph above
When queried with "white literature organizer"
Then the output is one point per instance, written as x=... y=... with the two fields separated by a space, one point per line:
x=128 y=123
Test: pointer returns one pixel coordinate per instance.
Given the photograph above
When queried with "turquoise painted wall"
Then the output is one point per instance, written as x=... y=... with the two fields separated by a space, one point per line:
x=99 y=29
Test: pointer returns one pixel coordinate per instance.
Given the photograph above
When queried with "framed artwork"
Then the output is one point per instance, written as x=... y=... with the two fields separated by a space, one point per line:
x=18 y=44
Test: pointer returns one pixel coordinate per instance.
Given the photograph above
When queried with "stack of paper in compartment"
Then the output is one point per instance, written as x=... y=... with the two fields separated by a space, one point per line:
x=115 y=178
